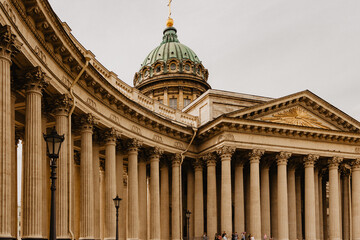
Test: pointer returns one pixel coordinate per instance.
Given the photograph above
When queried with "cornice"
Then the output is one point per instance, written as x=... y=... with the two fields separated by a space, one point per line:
x=223 y=124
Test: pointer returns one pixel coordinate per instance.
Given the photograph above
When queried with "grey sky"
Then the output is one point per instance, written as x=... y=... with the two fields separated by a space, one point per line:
x=264 y=47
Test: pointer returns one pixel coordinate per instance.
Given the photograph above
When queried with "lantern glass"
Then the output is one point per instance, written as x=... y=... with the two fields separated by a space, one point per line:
x=117 y=201
x=53 y=143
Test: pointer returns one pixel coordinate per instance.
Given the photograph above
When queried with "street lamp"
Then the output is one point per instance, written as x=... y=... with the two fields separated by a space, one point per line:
x=117 y=205
x=187 y=215
x=53 y=145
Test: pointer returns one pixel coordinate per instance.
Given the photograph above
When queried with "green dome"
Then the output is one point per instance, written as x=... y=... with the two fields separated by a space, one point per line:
x=170 y=48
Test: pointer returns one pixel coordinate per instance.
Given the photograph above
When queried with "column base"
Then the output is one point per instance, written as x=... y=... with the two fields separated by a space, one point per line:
x=82 y=238
x=132 y=238
x=109 y=238
x=7 y=238
x=34 y=238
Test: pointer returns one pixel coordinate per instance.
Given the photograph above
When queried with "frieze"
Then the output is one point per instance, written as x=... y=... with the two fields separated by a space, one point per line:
x=179 y=145
x=91 y=103
x=157 y=138
x=226 y=137
x=10 y=11
x=40 y=54
x=115 y=118
x=136 y=129
x=357 y=149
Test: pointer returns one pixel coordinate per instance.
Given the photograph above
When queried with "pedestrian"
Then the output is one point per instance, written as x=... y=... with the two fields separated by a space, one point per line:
x=224 y=237
x=236 y=236
x=252 y=237
x=265 y=236
x=205 y=237
x=243 y=235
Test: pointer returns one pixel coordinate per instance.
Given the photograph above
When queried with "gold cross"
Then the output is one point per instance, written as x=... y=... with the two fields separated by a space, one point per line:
x=169 y=5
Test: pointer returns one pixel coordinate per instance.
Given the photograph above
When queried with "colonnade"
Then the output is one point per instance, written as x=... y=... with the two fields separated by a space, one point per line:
x=281 y=194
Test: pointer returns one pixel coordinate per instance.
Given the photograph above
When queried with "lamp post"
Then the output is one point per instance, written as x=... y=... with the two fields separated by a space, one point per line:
x=53 y=145
x=187 y=215
x=117 y=205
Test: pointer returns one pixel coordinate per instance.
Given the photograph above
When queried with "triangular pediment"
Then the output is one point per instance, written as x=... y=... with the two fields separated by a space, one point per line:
x=298 y=116
x=300 y=109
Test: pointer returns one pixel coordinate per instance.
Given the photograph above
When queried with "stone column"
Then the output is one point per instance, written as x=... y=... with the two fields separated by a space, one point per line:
x=86 y=178
x=8 y=46
x=133 y=186
x=33 y=208
x=310 y=216
x=321 y=173
x=346 y=203
x=274 y=203
x=265 y=197
x=102 y=199
x=175 y=198
x=211 y=220
x=225 y=153
x=76 y=191
x=255 y=207
x=110 y=182
x=355 y=198
x=325 y=215
x=199 y=200
x=283 y=214
x=211 y=209
x=190 y=199
x=317 y=204
x=155 y=154
x=142 y=196
x=164 y=201
x=292 y=201
x=120 y=190
x=334 y=203
x=298 y=206
x=96 y=182
x=62 y=106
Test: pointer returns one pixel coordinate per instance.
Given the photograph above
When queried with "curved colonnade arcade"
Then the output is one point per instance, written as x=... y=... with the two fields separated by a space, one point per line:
x=247 y=170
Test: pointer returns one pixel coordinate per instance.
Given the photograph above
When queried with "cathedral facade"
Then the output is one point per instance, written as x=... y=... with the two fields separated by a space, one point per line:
x=287 y=167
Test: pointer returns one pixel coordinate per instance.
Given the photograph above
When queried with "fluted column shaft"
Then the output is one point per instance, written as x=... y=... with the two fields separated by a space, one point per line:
x=292 y=203
x=225 y=153
x=190 y=200
x=14 y=201
x=283 y=214
x=7 y=214
x=86 y=179
x=324 y=210
x=265 y=199
x=143 y=213
x=211 y=195
x=61 y=111
x=298 y=206
x=334 y=202
x=96 y=182
x=199 y=200
x=310 y=216
x=120 y=192
x=255 y=207
x=33 y=208
x=133 y=193
x=164 y=202
x=346 y=210
x=321 y=215
x=155 y=193
x=175 y=198
x=110 y=183
x=317 y=203
x=355 y=199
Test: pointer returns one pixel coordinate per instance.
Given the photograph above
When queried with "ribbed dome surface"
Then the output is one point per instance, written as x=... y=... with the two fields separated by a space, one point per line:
x=170 y=48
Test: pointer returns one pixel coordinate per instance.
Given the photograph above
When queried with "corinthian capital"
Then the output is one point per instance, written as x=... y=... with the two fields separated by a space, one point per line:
x=335 y=161
x=176 y=160
x=9 y=45
x=35 y=79
x=309 y=160
x=225 y=151
x=256 y=154
x=62 y=104
x=87 y=121
x=155 y=153
x=111 y=134
x=134 y=145
x=282 y=158
x=210 y=159
x=198 y=164
x=355 y=164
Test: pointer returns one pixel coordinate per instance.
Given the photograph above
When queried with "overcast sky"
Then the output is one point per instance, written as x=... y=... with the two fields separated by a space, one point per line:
x=263 y=47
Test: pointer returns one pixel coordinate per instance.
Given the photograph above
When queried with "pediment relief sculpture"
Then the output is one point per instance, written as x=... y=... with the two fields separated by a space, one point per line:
x=296 y=116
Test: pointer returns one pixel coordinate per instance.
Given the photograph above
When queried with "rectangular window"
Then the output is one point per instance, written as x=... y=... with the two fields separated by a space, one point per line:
x=186 y=102
x=173 y=102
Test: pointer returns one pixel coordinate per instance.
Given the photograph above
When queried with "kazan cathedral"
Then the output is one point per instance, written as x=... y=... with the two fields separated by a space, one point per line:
x=184 y=158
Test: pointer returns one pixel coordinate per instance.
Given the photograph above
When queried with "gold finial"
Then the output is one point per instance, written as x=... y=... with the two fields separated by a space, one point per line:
x=170 y=21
